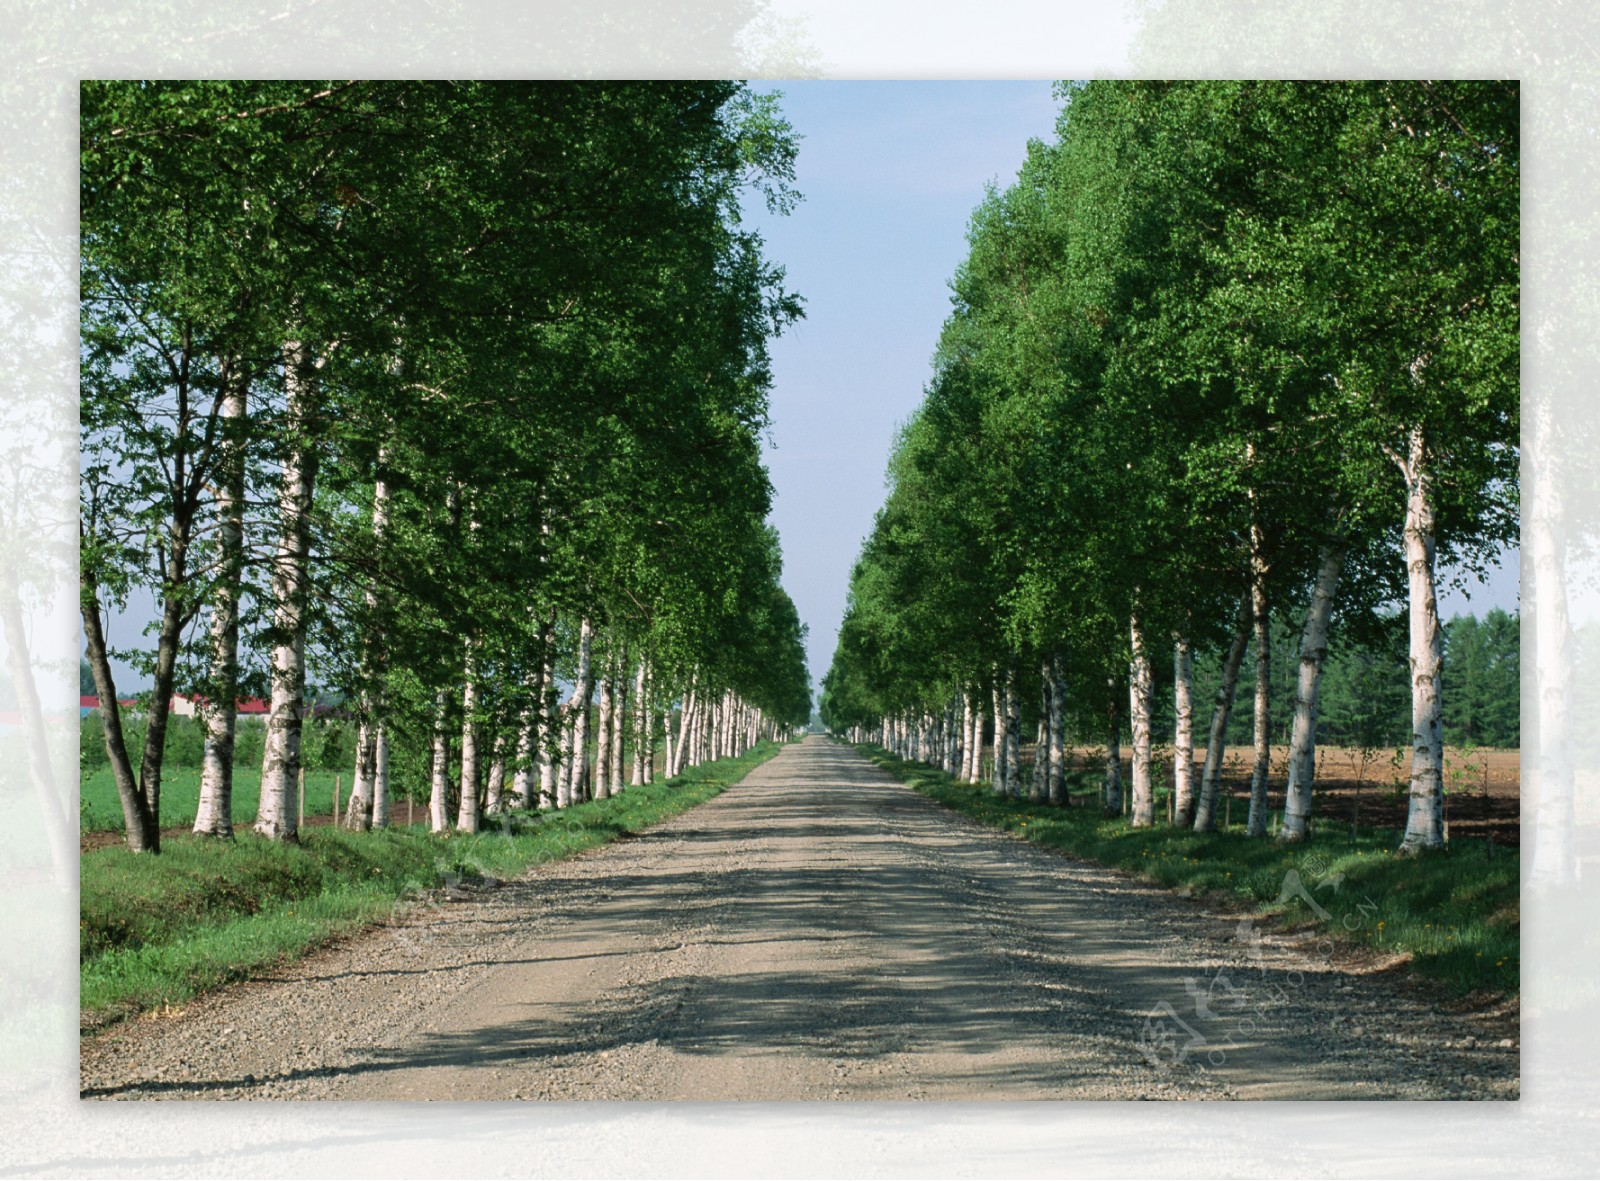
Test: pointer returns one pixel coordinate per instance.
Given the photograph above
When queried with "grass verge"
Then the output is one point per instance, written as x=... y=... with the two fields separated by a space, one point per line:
x=157 y=931
x=1456 y=916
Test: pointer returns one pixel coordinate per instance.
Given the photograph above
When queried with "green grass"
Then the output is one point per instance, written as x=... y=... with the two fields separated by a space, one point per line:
x=99 y=809
x=157 y=930
x=1456 y=914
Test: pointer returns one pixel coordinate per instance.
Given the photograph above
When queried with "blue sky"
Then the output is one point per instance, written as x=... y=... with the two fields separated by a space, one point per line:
x=890 y=173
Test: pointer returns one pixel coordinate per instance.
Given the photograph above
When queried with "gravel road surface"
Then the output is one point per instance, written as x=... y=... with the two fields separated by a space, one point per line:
x=816 y=932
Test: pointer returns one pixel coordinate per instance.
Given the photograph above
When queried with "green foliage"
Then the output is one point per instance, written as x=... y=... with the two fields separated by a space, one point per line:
x=1482 y=680
x=530 y=315
x=1212 y=331
x=1365 y=697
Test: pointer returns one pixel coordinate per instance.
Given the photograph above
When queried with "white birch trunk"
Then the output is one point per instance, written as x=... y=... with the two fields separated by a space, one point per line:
x=581 y=693
x=1205 y=816
x=998 y=708
x=1308 y=680
x=378 y=784
x=361 y=813
x=1183 y=732
x=619 y=724
x=494 y=786
x=980 y=724
x=602 y=736
x=530 y=727
x=523 y=756
x=972 y=735
x=685 y=728
x=278 y=817
x=1141 y=690
x=648 y=702
x=1425 y=816
x=949 y=738
x=1013 y=735
x=1256 y=825
x=380 y=779
x=963 y=770
x=1039 y=785
x=214 y=816
x=358 y=810
x=641 y=726
x=1056 y=787
x=467 y=811
x=549 y=720
x=439 y=781
x=563 y=770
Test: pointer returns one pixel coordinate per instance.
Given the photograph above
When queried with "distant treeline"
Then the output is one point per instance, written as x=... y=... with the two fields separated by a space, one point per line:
x=1366 y=688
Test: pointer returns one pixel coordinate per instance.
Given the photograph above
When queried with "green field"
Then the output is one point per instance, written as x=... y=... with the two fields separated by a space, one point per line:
x=157 y=930
x=100 y=811
x=1455 y=914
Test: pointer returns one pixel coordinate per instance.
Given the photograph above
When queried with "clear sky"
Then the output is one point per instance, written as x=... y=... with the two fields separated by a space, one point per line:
x=890 y=173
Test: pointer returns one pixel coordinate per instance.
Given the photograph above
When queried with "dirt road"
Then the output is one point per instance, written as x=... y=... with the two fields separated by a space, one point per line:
x=816 y=932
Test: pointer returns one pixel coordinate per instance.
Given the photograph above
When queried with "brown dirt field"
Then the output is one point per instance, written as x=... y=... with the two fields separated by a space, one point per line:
x=1483 y=792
